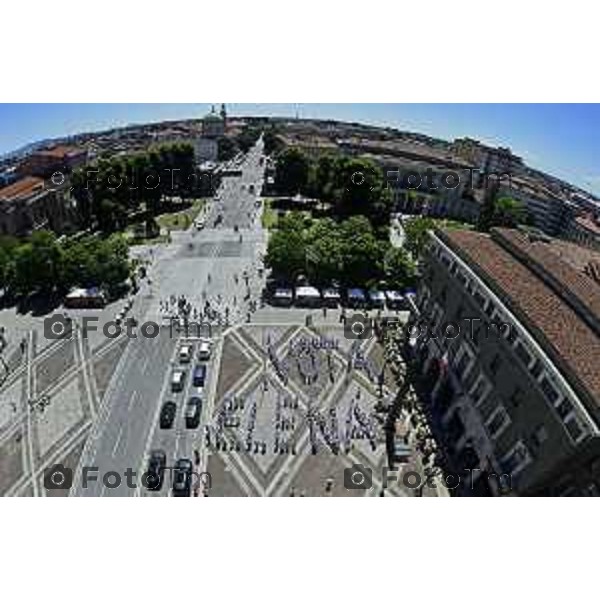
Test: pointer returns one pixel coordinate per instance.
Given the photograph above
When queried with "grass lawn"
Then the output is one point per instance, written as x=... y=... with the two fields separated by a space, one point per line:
x=176 y=221
x=269 y=216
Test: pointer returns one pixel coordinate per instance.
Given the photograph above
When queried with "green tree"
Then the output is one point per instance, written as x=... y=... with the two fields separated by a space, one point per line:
x=399 y=268
x=38 y=264
x=509 y=213
x=286 y=253
x=361 y=250
x=227 y=149
x=416 y=232
x=291 y=171
x=325 y=258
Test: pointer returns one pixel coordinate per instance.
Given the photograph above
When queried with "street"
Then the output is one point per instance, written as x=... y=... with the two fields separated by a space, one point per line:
x=206 y=265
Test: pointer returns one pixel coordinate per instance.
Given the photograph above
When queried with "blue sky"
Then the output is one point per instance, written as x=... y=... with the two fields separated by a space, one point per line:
x=562 y=139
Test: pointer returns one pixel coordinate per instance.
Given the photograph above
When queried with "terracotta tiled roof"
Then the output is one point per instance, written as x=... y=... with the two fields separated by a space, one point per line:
x=588 y=224
x=20 y=188
x=557 y=323
x=574 y=282
x=60 y=152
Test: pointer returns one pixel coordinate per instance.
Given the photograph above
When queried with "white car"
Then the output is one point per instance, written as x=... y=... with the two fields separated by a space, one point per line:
x=204 y=350
x=185 y=354
x=177 y=380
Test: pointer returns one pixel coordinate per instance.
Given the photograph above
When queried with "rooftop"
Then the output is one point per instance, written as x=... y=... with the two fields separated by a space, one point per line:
x=556 y=324
x=589 y=224
x=21 y=189
x=60 y=152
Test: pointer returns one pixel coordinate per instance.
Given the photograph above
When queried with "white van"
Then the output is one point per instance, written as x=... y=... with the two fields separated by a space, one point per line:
x=204 y=350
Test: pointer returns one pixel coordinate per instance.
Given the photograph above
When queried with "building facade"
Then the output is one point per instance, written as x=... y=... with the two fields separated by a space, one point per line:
x=61 y=159
x=515 y=396
x=584 y=230
x=30 y=204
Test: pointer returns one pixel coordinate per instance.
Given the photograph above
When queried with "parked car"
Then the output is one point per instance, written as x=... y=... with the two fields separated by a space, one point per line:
x=283 y=297
x=331 y=297
x=356 y=298
x=185 y=353
x=376 y=299
x=193 y=410
x=204 y=350
x=177 y=380
x=167 y=414
x=395 y=300
x=182 y=478
x=199 y=376
x=308 y=296
x=155 y=471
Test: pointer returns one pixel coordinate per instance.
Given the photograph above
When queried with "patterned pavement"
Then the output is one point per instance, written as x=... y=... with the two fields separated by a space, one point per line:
x=294 y=433
x=47 y=406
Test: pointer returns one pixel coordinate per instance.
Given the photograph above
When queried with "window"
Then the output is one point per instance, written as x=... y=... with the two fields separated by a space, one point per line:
x=516 y=459
x=436 y=316
x=523 y=354
x=516 y=398
x=574 y=428
x=536 y=368
x=497 y=422
x=480 y=390
x=495 y=364
x=463 y=362
x=549 y=390
x=564 y=408
x=479 y=298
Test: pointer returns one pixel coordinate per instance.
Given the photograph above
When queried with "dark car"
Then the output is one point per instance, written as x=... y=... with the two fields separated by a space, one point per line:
x=182 y=477
x=193 y=410
x=155 y=470
x=167 y=414
x=199 y=376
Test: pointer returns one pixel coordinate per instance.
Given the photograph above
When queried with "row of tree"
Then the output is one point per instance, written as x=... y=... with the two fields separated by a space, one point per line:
x=110 y=190
x=230 y=146
x=348 y=252
x=42 y=263
x=350 y=186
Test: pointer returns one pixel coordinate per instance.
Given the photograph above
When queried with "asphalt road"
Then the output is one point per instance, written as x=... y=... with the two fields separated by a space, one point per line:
x=206 y=264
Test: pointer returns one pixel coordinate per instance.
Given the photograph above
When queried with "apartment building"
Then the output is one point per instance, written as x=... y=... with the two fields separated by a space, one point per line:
x=515 y=396
x=549 y=211
x=30 y=204
x=584 y=230
x=486 y=158
x=43 y=163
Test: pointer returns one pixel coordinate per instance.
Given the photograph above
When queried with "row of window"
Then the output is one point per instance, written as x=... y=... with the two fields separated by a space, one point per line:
x=521 y=349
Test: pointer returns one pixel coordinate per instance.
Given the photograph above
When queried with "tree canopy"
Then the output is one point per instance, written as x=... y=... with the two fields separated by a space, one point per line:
x=348 y=252
x=41 y=263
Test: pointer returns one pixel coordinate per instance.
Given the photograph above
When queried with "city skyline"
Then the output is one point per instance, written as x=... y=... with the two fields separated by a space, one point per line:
x=560 y=139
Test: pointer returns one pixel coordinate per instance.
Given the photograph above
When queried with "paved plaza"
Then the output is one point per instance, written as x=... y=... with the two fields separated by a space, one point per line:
x=279 y=428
